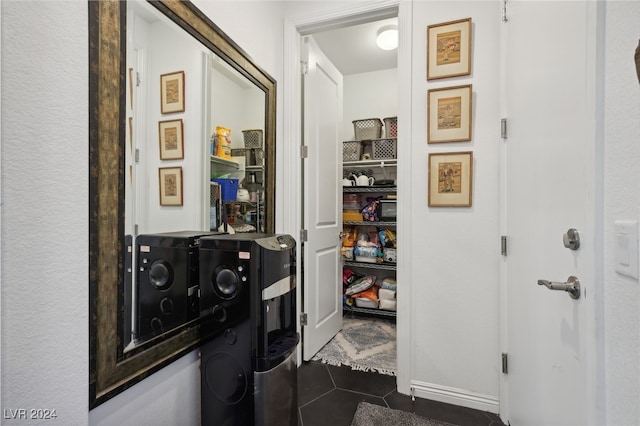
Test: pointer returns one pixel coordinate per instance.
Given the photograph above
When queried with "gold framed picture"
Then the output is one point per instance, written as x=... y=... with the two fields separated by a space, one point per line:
x=450 y=179
x=449 y=49
x=170 y=183
x=171 y=137
x=449 y=114
x=172 y=92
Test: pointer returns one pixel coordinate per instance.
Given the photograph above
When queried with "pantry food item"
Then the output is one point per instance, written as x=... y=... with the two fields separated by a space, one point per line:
x=368 y=298
x=389 y=283
x=388 y=305
x=360 y=285
x=223 y=145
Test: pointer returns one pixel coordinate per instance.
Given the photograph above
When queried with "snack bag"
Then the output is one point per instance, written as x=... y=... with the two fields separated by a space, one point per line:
x=223 y=146
x=370 y=211
x=350 y=235
x=371 y=294
x=360 y=285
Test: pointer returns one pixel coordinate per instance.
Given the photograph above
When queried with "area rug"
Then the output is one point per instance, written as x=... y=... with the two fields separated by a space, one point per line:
x=364 y=344
x=377 y=415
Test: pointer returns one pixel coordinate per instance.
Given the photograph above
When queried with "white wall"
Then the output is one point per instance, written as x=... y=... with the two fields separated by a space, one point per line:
x=168 y=51
x=368 y=95
x=621 y=202
x=455 y=251
x=169 y=397
x=44 y=209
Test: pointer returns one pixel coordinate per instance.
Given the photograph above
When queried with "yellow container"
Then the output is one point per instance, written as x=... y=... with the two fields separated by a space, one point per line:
x=351 y=216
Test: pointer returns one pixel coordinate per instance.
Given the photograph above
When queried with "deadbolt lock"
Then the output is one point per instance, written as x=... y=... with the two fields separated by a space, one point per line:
x=571 y=239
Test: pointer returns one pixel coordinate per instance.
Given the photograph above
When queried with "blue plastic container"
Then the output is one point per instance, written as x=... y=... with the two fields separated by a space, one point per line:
x=228 y=188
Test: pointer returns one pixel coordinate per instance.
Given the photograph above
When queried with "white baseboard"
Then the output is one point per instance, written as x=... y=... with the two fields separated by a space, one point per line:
x=455 y=396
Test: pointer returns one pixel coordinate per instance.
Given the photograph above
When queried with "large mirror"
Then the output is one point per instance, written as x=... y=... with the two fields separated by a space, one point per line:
x=167 y=88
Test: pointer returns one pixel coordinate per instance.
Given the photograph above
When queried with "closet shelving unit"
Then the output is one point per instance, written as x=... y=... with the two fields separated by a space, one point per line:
x=223 y=165
x=386 y=167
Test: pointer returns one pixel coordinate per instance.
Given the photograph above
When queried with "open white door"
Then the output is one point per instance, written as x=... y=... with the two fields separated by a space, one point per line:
x=550 y=185
x=322 y=171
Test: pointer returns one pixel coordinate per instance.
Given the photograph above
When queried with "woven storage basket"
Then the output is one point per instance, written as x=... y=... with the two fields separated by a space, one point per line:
x=252 y=138
x=384 y=149
x=369 y=128
x=391 y=127
x=214 y=193
x=351 y=150
x=258 y=157
x=243 y=152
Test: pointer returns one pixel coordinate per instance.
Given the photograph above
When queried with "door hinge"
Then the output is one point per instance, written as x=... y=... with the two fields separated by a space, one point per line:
x=303 y=235
x=304 y=151
x=137 y=155
x=304 y=67
x=503 y=245
x=303 y=318
x=505 y=363
x=503 y=128
x=504 y=11
x=138 y=80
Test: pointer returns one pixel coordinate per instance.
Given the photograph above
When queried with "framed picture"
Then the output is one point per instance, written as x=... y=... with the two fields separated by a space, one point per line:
x=449 y=49
x=450 y=179
x=172 y=92
x=171 y=139
x=449 y=114
x=170 y=182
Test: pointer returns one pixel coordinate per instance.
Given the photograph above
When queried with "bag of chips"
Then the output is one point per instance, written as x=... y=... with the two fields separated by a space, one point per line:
x=360 y=285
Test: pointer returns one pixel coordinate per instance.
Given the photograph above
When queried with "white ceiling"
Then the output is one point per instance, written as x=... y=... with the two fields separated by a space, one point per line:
x=353 y=49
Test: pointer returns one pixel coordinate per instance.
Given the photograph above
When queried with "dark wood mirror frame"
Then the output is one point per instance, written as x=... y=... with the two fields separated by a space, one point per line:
x=111 y=371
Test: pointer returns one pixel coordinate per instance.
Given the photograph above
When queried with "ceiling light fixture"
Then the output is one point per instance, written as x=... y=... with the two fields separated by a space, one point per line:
x=387 y=38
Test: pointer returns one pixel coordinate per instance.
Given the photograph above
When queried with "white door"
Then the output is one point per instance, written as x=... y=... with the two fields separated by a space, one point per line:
x=322 y=291
x=549 y=188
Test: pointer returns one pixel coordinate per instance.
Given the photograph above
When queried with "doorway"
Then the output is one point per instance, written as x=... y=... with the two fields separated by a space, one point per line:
x=368 y=106
x=295 y=29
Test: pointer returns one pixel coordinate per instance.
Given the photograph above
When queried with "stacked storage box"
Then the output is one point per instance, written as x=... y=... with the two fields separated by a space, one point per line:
x=254 y=152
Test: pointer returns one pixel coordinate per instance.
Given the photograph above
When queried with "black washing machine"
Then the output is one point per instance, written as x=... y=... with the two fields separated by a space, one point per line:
x=248 y=308
x=166 y=281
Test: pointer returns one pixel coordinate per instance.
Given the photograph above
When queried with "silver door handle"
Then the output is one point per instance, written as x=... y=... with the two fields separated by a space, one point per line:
x=572 y=286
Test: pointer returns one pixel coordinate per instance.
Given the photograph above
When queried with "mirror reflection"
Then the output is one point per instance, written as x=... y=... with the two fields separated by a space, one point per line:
x=194 y=162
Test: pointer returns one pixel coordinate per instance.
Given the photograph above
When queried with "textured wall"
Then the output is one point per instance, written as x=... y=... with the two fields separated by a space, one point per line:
x=44 y=209
x=622 y=199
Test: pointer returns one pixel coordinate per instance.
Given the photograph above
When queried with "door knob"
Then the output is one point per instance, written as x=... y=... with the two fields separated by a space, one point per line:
x=572 y=286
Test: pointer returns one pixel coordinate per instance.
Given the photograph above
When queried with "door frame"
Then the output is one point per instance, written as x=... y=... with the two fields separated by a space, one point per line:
x=291 y=207
x=592 y=237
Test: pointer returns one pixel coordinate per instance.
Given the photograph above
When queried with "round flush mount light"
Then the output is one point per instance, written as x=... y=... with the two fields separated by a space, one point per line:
x=387 y=38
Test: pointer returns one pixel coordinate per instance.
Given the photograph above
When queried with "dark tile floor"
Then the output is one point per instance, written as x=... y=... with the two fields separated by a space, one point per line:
x=329 y=395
